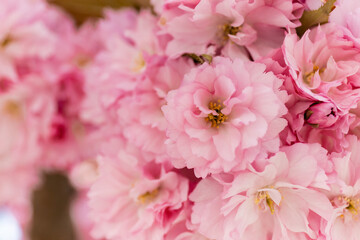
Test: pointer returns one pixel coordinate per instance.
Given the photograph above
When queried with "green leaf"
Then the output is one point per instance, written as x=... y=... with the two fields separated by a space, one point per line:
x=315 y=17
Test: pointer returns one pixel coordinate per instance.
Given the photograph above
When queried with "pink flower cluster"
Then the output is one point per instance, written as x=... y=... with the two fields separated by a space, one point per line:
x=204 y=119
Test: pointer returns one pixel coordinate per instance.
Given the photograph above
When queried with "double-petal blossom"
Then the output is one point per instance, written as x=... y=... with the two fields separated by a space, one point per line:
x=224 y=116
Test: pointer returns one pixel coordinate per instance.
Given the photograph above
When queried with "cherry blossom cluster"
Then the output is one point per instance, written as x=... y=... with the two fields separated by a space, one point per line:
x=199 y=119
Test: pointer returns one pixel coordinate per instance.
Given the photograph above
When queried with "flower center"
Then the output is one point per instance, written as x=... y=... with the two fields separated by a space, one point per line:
x=6 y=41
x=82 y=60
x=309 y=75
x=263 y=198
x=12 y=108
x=219 y=117
x=352 y=204
x=230 y=30
x=148 y=196
x=139 y=63
x=162 y=21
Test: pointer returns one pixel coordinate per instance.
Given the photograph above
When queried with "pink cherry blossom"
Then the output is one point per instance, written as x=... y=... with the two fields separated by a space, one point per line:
x=279 y=202
x=324 y=67
x=321 y=115
x=325 y=127
x=236 y=26
x=345 y=194
x=140 y=112
x=182 y=231
x=31 y=35
x=135 y=201
x=141 y=87
x=223 y=116
x=121 y=64
x=127 y=50
x=66 y=132
x=195 y=120
x=346 y=15
x=310 y=120
x=80 y=214
x=25 y=109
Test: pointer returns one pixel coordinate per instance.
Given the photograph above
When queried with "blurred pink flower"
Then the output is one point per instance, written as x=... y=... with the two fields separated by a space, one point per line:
x=80 y=214
x=16 y=191
x=129 y=46
x=26 y=110
x=30 y=30
x=66 y=132
x=135 y=201
x=140 y=113
x=346 y=16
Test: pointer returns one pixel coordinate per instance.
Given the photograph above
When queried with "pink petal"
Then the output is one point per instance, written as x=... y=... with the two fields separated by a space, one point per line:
x=247 y=214
x=207 y=189
x=317 y=202
x=202 y=99
x=252 y=132
x=241 y=115
x=232 y=204
x=224 y=88
x=226 y=141
x=203 y=149
x=270 y=16
x=241 y=183
x=274 y=194
x=293 y=214
x=281 y=163
x=303 y=172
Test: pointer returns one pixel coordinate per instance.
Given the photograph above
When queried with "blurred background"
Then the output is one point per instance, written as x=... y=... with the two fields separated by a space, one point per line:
x=81 y=10
x=51 y=202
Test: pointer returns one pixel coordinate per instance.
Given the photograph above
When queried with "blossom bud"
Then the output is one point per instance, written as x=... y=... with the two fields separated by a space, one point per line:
x=321 y=115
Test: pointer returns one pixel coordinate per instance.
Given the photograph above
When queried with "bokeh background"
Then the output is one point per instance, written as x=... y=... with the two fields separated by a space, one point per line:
x=53 y=198
x=81 y=10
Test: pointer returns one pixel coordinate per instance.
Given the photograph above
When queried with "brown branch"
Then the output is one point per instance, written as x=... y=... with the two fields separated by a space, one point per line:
x=51 y=209
x=81 y=10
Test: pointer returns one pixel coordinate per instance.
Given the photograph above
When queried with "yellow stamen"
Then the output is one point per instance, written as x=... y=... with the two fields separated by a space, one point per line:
x=148 y=196
x=162 y=21
x=218 y=118
x=226 y=30
x=139 y=63
x=12 y=108
x=82 y=60
x=352 y=205
x=264 y=195
x=230 y=30
x=309 y=75
x=6 y=41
